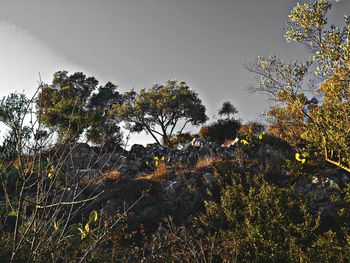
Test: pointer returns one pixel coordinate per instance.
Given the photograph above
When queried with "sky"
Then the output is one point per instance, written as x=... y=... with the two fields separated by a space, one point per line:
x=136 y=43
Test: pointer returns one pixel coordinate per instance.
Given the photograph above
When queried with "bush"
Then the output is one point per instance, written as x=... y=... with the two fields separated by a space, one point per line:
x=248 y=219
x=268 y=223
x=221 y=130
x=251 y=128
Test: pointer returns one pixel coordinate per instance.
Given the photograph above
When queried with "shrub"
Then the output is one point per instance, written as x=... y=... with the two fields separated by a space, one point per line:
x=267 y=222
x=221 y=130
x=248 y=219
x=251 y=128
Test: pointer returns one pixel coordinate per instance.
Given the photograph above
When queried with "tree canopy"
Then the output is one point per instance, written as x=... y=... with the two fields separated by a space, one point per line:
x=73 y=104
x=227 y=109
x=161 y=110
x=320 y=124
x=13 y=110
x=104 y=128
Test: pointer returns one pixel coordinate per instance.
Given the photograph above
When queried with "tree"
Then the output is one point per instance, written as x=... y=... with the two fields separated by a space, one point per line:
x=13 y=109
x=70 y=105
x=63 y=104
x=46 y=205
x=222 y=129
x=322 y=124
x=160 y=109
x=104 y=129
x=227 y=109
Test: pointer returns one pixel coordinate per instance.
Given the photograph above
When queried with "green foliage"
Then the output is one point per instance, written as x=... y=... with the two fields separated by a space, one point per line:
x=8 y=178
x=248 y=216
x=160 y=109
x=322 y=124
x=249 y=219
x=85 y=232
x=301 y=157
x=70 y=105
x=104 y=128
x=227 y=109
x=13 y=109
x=264 y=221
x=158 y=161
x=63 y=104
x=222 y=129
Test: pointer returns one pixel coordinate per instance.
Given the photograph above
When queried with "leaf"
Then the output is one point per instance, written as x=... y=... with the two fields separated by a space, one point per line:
x=245 y=142
x=87 y=228
x=93 y=216
x=51 y=171
x=262 y=135
x=12 y=213
x=305 y=154
x=82 y=233
x=55 y=225
x=297 y=157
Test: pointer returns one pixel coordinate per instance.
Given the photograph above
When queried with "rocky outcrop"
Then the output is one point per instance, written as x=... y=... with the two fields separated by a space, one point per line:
x=181 y=195
x=176 y=196
x=324 y=191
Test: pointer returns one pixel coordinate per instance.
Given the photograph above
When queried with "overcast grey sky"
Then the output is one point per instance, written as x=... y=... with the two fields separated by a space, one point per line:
x=135 y=43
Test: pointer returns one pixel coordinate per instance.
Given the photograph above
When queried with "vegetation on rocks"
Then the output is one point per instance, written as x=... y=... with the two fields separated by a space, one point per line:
x=235 y=192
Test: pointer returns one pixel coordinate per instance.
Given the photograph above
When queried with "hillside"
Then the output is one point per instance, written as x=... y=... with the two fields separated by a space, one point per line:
x=220 y=189
x=193 y=204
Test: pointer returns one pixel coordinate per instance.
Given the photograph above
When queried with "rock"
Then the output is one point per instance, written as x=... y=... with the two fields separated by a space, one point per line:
x=229 y=143
x=76 y=156
x=345 y=179
x=137 y=150
x=152 y=212
x=198 y=142
x=171 y=189
x=314 y=180
x=111 y=206
x=321 y=190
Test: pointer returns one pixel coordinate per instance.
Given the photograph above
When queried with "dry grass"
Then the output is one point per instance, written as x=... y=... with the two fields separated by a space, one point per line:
x=162 y=169
x=228 y=143
x=179 y=169
x=160 y=173
x=206 y=162
x=110 y=176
